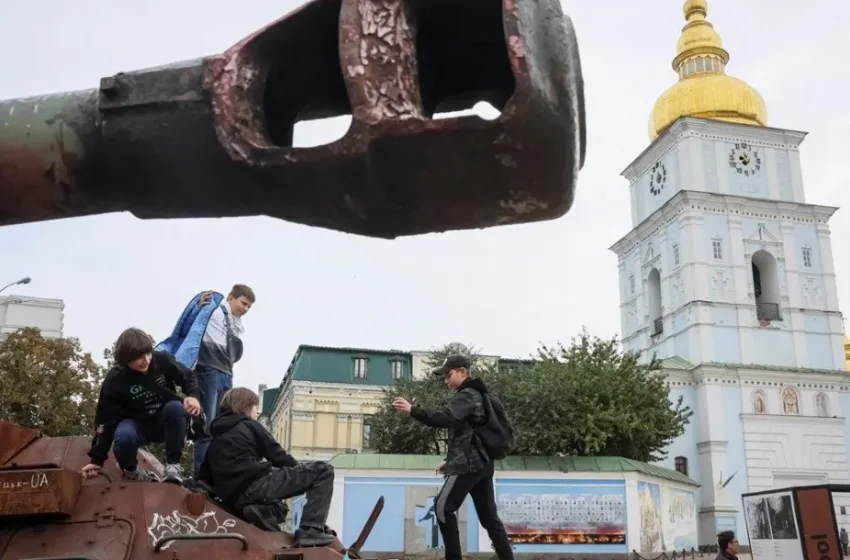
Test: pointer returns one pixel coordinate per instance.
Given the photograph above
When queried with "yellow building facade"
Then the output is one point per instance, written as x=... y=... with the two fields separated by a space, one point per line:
x=328 y=394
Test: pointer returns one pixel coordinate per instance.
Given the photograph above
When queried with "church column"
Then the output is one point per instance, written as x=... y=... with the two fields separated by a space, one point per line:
x=831 y=293
x=693 y=237
x=827 y=267
x=711 y=448
x=739 y=261
x=789 y=288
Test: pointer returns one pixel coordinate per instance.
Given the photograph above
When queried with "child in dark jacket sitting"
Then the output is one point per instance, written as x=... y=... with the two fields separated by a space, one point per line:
x=245 y=465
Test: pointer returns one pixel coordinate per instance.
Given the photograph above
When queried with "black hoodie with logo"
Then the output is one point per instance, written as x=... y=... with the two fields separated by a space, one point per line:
x=466 y=453
x=241 y=451
x=125 y=393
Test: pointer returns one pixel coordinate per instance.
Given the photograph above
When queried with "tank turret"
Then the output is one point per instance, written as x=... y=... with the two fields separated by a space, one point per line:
x=212 y=137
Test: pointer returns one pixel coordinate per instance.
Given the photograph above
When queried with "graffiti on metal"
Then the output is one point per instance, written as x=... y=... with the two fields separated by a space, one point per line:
x=32 y=481
x=177 y=523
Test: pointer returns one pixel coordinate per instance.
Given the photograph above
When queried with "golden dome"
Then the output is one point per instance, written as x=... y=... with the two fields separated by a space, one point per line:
x=704 y=90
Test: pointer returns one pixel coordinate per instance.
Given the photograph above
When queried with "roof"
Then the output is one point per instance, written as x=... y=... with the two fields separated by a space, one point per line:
x=563 y=464
x=350 y=349
x=675 y=362
x=269 y=398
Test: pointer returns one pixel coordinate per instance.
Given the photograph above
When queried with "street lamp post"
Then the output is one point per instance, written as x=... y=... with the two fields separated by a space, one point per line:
x=24 y=280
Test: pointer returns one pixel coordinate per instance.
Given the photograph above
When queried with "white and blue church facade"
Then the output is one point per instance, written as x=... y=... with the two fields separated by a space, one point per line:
x=727 y=275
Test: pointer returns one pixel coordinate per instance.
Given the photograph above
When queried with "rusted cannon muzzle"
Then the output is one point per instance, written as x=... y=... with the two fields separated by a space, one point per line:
x=213 y=137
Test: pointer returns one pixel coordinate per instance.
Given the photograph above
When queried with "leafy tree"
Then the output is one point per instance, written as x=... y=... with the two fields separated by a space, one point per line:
x=48 y=384
x=585 y=399
x=395 y=433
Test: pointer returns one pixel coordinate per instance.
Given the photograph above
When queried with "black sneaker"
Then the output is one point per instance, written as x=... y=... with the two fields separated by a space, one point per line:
x=310 y=537
x=261 y=515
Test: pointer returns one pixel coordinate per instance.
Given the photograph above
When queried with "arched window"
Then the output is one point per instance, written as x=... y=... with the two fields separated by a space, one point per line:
x=654 y=303
x=682 y=465
x=766 y=286
x=759 y=403
x=822 y=405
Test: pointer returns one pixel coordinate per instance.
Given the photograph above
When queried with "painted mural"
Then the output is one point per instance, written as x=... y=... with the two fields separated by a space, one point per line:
x=679 y=523
x=551 y=515
x=651 y=521
x=407 y=522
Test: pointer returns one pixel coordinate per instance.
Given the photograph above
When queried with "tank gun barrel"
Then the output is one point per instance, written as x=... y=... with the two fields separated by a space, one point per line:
x=212 y=137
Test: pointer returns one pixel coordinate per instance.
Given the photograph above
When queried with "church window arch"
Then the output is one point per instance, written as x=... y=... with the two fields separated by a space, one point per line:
x=822 y=405
x=766 y=286
x=653 y=282
x=790 y=401
x=759 y=402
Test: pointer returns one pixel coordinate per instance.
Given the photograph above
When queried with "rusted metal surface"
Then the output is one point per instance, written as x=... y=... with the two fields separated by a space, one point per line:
x=108 y=518
x=13 y=438
x=213 y=137
x=45 y=491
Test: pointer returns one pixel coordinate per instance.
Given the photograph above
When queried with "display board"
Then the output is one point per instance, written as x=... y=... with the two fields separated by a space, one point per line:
x=772 y=526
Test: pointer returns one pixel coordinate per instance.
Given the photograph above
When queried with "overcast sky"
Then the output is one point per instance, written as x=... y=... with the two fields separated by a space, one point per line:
x=502 y=289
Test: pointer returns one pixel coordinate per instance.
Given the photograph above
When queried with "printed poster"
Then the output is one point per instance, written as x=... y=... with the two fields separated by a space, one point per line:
x=772 y=527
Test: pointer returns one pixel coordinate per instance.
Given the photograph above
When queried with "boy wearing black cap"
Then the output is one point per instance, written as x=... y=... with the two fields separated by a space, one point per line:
x=468 y=468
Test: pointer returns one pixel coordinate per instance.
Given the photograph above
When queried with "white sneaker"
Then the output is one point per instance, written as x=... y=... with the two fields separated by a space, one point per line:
x=173 y=473
x=140 y=475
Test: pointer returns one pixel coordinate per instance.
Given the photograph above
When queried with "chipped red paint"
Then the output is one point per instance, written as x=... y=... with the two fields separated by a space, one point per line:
x=108 y=518
x=213 y=137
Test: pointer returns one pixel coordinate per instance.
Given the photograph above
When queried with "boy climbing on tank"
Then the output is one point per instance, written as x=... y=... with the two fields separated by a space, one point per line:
x=245 y=466
x=138 y=405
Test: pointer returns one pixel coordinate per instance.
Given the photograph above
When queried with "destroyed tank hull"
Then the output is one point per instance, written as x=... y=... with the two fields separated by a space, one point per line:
x=212 y=137
x=49 y=512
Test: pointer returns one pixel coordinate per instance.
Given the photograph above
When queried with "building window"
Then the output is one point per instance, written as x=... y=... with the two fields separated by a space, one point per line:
x=632 y=284
x=807 y=257
x=843 y=510
x=682 y=465
x=655 y=310
x=766 y=286
x=676 y=254
x=717 y=249
x=367 y=434
x=360 y=368
x=398 y=369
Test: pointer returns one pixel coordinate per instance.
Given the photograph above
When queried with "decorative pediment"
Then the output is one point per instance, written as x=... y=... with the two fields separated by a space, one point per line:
x=650 y=256
x=761 y=234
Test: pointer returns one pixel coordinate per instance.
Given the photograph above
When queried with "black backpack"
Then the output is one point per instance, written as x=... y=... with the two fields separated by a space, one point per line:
x=497 y=433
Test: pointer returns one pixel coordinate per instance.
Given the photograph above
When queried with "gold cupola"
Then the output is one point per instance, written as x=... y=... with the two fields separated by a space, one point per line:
x=704 y=90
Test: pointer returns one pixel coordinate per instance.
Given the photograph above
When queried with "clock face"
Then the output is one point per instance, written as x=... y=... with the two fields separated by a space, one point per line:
x=744 y=159
x=657 y=178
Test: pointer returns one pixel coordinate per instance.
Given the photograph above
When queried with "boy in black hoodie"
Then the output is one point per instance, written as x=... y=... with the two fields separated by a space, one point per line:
x=468 y=468
x=131 y=412
x=245 y=465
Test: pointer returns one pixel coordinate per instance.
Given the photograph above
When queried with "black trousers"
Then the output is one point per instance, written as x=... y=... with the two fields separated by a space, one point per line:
x=313 y=478
x=479 y=486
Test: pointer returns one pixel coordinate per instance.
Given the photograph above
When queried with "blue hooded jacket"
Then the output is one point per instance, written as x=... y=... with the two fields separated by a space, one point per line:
x=185 y=340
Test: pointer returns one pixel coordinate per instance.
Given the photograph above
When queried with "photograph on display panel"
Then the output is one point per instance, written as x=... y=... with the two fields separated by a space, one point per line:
x=772 y=526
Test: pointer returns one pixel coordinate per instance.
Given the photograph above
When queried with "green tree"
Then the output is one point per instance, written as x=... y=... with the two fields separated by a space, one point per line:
x=396 y=433
x=48 y=384
x=586 y=399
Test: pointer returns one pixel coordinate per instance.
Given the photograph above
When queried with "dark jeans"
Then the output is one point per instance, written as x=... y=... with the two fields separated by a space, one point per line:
x=480 y=487
x=214 y=384
x=168 y=426
x=315 y=478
